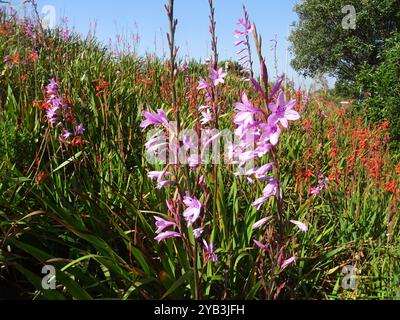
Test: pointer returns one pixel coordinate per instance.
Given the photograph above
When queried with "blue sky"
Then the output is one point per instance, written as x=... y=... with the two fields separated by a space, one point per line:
x=273 y=18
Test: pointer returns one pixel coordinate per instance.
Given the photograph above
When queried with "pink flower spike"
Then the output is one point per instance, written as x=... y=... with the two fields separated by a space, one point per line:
x=167 y=235
x=300 y=225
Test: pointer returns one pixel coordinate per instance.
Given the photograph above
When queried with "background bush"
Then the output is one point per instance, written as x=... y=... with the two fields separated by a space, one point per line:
x=382 y=85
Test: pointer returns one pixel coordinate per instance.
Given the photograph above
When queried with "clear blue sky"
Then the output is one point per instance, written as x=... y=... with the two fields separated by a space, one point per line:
x=273 y=17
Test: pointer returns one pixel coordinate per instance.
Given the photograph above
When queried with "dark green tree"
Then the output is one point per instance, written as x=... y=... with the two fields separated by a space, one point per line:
x=329 y=39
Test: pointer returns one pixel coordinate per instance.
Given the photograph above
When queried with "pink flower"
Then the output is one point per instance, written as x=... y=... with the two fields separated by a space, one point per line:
x=300 y=225
x=162 y=224
x=322 y=184
x=198 y=232
x=192 y=213
x=316 y=191
x=238 y=43
x=217 y=76
x=153 y=143
x=248 y=28
x=208 y=252
x=260 y=173
x=260 y=245
x=269 y=191
x=158 y=175
x=194 y=161
x=187 y=142
x=261 y=223
x=66 y=134
x=52 y=115
x=271 y=133
x=282 y=112
x=156 y=119
x=167 y=235
x=52 y=89
x=288 y=262
x=263 y=147
x=246 y=112
x=203 y=85
x=206 y=117
x=165 y=183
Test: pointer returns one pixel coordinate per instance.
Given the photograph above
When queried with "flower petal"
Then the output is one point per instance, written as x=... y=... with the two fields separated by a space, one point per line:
x=300 y=225
x=262 y=222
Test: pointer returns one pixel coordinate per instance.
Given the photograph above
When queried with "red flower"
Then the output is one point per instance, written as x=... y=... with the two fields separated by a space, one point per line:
x=41 y=177
x=34 y=56
x=385 y=125
x=16 y=58
x=102 y=87
x=391 y=186
x=397 y=167
x=77 y=142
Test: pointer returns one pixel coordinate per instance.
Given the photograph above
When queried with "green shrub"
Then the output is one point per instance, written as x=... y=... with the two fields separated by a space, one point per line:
x=382 y=85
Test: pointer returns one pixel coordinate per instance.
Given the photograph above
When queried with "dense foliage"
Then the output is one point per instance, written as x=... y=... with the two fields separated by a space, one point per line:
x=322 y=45
x=381 y=87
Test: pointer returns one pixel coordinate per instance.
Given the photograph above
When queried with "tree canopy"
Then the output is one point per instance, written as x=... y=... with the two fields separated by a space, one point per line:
x=324 y=41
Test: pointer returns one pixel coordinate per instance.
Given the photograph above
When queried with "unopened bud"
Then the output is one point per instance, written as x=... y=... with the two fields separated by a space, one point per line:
x=264 y=73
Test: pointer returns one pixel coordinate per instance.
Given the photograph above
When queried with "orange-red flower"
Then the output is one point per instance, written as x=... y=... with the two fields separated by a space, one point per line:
x=77 y=142
x=102 y=87
x=15 y=59
x=385 y=125
x=34 y=56
x=40 y=104
x=391 y=186
x=41 y=177
x=397 y=168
